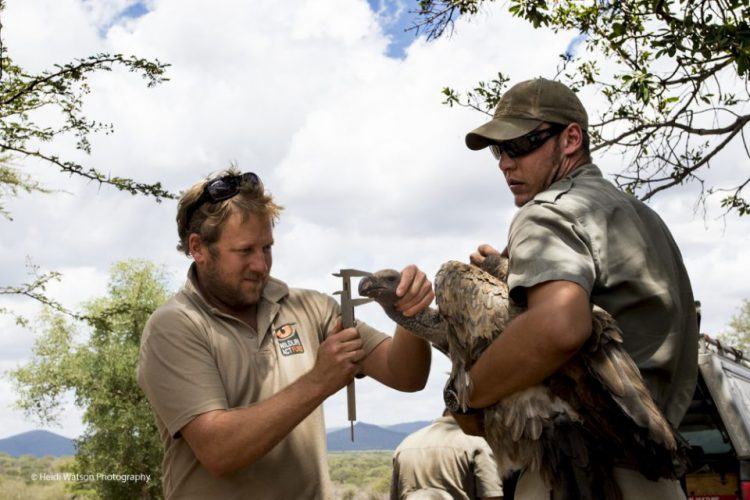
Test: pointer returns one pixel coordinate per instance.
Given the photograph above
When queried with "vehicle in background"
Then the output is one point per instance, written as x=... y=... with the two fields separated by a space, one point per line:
x=717 y=425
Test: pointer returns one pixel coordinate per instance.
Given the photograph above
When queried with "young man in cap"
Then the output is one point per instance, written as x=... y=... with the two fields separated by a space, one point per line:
x=575 y=240
x=237 y=365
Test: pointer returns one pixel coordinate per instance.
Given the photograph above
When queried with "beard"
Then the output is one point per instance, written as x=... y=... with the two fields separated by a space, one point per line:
x=557 y=161
x=236 y=292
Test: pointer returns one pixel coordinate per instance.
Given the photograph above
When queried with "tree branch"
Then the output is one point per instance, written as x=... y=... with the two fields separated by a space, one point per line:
x=120 y=183
x=688 y=171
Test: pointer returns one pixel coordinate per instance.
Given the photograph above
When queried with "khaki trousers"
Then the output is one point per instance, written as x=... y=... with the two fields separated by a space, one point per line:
x=632 y=484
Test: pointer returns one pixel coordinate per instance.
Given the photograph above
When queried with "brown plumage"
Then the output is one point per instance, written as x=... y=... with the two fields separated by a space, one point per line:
x=591 y=414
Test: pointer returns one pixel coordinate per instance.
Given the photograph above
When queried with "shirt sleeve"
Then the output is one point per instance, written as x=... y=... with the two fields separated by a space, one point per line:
x=488 y=482
x=548 y=244
x=177 y=372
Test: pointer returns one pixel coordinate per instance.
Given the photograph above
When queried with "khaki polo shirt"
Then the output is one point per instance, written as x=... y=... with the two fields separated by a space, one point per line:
x=441 y=457
x=194 y=359
x=585 y=230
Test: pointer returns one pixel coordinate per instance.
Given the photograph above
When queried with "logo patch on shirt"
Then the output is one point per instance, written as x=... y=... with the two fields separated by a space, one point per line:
x=288 y=339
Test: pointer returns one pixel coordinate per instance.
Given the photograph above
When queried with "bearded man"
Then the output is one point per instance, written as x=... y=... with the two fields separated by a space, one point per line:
x=236 y=366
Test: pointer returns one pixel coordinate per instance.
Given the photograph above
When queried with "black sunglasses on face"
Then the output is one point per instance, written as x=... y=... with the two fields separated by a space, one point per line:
x=221 y=189
x=521 y=146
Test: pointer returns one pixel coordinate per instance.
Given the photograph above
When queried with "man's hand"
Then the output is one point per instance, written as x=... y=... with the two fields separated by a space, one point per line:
x=223 y=441
x=482 y=252
x=415 y=291
x=338 y=358
x=403 y=362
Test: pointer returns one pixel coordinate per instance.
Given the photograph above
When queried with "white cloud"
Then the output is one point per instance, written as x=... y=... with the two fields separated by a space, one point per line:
x=370 y=165
x=15 y=421
x=31 y=29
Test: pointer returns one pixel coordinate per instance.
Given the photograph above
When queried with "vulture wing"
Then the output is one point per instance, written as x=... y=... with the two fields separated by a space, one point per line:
x=476 y=306
x=603 y=383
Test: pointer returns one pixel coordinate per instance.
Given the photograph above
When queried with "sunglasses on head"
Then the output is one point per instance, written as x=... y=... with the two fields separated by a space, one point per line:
x=221 y=189
x=521 y=146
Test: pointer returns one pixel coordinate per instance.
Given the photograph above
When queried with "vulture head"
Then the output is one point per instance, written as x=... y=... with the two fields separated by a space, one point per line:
x=428 y=324
x=381 y=286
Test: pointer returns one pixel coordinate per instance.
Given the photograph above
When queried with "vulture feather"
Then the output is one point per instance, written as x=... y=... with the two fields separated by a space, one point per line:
x=592 y=414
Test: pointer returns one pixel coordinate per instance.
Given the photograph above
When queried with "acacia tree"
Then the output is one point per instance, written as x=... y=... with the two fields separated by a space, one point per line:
x=739 y=328
x=675 y=81
x=120 y=436
x=59 y=92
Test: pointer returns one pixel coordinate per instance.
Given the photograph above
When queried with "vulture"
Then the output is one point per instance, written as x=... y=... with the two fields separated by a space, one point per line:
x=594 y=413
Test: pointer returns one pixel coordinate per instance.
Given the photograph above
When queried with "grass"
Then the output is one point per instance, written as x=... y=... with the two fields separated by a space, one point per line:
x=355 y=476
x=361 y=475
x=20 y=478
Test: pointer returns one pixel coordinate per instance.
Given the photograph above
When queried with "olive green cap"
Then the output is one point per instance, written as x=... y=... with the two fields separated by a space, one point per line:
x=524 y=107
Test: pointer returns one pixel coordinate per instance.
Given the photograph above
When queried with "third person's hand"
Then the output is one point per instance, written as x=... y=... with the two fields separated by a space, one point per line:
x=482 y=252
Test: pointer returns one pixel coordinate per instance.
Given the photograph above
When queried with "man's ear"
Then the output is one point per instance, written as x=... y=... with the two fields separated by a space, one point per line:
x=572 y=140
x=198 y=249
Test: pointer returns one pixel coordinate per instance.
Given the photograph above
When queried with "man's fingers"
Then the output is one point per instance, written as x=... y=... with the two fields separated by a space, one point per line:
x=410 y=302
x=352 y=345
x=407 y=276
x=344 y=335
x=476 y=258
x=356 y=356
x=414 y=291
x=336 y=328
x=482 y=252
x=417 y=283
x=486 y=250
x=420 y=305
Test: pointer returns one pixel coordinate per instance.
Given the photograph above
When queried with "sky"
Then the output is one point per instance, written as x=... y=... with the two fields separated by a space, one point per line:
x=340 y=112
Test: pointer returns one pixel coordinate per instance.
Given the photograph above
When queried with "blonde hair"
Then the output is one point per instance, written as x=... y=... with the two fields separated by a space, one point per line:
x=207 y=221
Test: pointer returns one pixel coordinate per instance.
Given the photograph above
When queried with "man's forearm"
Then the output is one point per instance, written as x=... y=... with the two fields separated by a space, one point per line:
x=402 y=362
x=241 y=436
x=409 y=359
x=530 y=349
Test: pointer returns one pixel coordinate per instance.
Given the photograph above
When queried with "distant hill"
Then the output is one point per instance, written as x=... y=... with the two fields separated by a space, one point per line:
x=405 y=427
x=408 y=427
x=37 y=443
x=366 y=437
x=370 y=437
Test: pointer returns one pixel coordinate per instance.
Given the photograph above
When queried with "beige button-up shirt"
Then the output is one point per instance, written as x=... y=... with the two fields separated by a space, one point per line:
x=585 y=230
x=441 y=458
x=194 y=359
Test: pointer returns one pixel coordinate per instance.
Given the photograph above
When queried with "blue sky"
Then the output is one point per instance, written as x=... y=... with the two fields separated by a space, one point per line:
x=395 y=18
x=134 y=11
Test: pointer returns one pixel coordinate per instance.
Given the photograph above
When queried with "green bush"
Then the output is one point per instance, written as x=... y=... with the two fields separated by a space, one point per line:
x=361 y=475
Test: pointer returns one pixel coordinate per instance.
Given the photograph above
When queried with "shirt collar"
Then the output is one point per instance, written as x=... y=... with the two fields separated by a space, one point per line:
x=586 y=170
x=562 y=186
